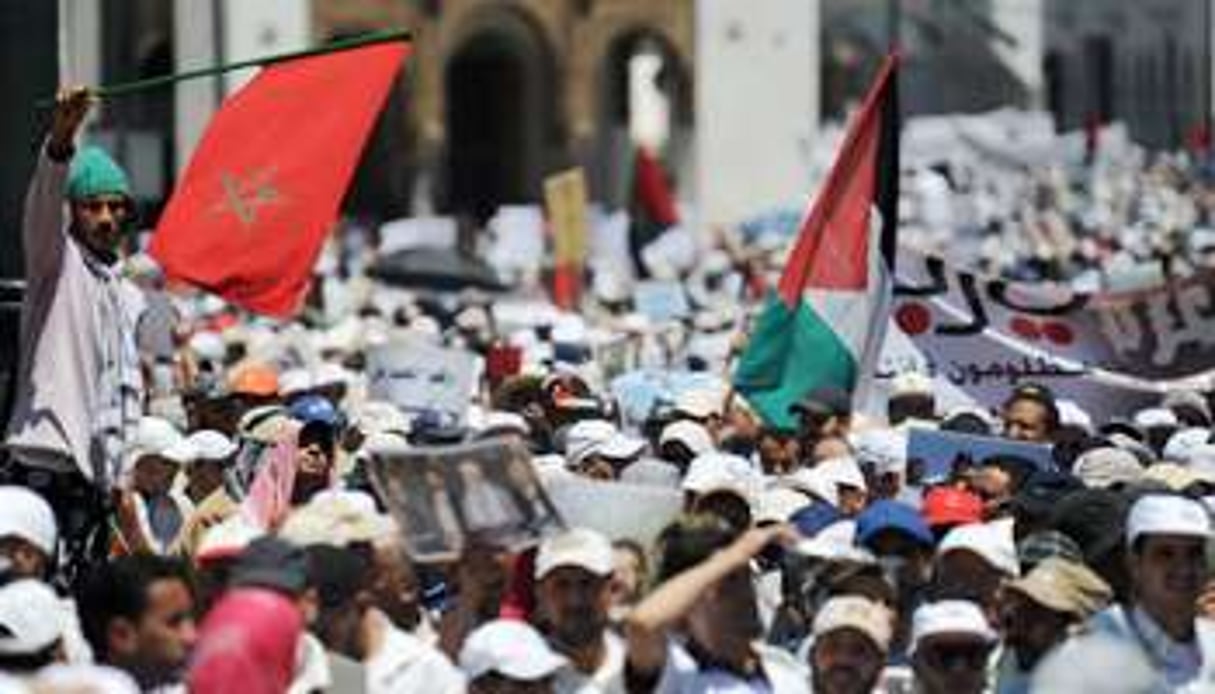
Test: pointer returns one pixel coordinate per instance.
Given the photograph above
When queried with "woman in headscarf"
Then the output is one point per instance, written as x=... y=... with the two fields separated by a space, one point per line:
x=247 y=643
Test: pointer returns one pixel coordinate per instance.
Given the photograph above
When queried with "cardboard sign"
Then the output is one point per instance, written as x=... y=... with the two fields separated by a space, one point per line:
x=595 y=504
x=517 y=232
x=939 y=455
x=1109 y=352
x=445 y=498
x=417 y=376
x=565 y=198
x=661 y=301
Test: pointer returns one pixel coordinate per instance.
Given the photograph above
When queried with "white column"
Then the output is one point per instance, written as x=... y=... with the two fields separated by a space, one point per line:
x=1025 y=21
x=80 y=42
x=261 y=28
x=194 y=47
x=757 y=105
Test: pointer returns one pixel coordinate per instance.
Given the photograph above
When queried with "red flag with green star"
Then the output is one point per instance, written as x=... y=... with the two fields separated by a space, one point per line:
x=249 y=216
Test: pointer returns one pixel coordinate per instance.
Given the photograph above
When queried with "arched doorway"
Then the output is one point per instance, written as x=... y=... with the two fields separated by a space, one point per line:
x=501 y=110
x=643 y=85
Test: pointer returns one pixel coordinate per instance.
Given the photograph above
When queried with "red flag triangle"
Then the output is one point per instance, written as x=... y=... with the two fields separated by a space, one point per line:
x=263 y=188
x=832 y=248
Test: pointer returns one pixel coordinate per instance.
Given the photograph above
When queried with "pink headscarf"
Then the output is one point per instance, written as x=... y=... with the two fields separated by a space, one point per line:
x=269 y=499
x=247 y=644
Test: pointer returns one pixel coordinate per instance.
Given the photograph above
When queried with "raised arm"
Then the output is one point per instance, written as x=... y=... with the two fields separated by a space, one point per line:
x=42 y=223
x=660 y=611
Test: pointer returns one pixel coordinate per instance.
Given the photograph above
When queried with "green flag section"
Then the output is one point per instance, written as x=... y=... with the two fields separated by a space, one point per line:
x=791 y=352
x=824 y=324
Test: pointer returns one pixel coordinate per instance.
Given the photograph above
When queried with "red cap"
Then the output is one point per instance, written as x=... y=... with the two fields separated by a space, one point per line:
x=951 y=506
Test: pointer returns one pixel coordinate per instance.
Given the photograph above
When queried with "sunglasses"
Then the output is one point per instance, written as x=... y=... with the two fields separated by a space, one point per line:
x=957 y=657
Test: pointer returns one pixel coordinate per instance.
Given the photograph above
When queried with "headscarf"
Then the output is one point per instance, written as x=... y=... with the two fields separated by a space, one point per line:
x=248 y=644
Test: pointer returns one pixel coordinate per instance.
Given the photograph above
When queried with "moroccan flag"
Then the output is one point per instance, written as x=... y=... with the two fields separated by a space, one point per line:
x=652 y=208
x=262 y=191
x=825 y=324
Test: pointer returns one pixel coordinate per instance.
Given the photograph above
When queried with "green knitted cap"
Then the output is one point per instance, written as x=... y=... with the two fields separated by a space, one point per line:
x=94 y=173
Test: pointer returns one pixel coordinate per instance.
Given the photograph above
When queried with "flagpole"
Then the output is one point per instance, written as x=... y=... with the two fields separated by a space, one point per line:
x=134 y=87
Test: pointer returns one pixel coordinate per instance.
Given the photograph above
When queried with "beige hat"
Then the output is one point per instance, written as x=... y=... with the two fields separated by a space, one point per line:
x=853 y=612
x=1065 y=586
x=1176 y=477
x=579 y=547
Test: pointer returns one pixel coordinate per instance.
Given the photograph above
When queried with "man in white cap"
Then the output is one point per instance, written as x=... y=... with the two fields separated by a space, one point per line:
x=207 y=501
x=150 y=517
x=1166 y=538
x=951 y=643
x=506 y=656
x=574 y=599
x=974 y=561
x=850 y=640
x=28 y=534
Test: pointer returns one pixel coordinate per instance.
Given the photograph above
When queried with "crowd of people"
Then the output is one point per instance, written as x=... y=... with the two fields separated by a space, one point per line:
x=1093 y=209
x=187 y=506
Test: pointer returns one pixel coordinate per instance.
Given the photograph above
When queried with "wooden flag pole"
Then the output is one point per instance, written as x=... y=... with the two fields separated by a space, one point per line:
x=143 y=85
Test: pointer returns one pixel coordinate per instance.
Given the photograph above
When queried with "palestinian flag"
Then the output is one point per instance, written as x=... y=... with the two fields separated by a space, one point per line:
x=652 y=205
x=825 y=323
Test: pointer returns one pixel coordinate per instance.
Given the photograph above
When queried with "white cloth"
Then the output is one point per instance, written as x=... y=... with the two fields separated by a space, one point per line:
x=78 y=383
x=782 y=674
x=608 y=679
x=1186 y=667
x=311 y=667
x=405 y=664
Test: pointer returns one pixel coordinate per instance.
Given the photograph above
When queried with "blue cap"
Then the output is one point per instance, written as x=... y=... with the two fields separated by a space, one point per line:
x=317 y=409
x=892 y=515
x=813 y=518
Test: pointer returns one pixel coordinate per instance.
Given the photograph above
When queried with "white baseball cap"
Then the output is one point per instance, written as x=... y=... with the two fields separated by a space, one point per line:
x=227 y=539
x=209 y=346
x=294 y=381
x=620 y=447
x=992 y=542
x=1153 y=417
x=28 y=617
x=700 y=403
x=826 y=477
x=580 y=547
x=1183 y=443
x=26 y=515
x=509 y=648
x=211 y=445
x=777 y=504
x=886 y=449
x=153 y=436
x=910 y=383
x=181 y=452
x=854 y=612
x=953 y=617
x=583 y=437
x=1071 y=414
x=1164 y=514
x=689 y=433
x=717 y=471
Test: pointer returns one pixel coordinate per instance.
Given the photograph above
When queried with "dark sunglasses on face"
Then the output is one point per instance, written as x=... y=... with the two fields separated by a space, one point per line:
x=957 y=656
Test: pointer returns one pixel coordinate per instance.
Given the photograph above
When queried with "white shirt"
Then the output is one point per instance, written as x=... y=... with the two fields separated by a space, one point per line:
x=608 y=679
x=782 y=674
x=405 y=664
